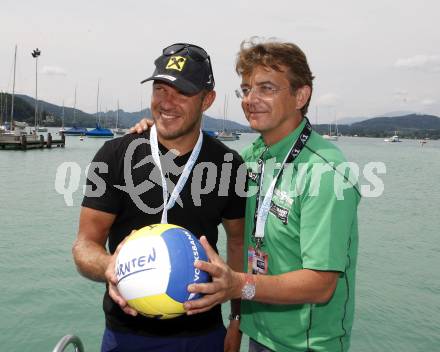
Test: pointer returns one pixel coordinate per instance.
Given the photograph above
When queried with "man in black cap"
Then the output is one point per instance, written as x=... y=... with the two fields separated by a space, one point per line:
x=136 y=193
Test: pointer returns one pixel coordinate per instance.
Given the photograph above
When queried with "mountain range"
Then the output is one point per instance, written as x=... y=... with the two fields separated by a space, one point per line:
x=408 y=126
x=24 y=110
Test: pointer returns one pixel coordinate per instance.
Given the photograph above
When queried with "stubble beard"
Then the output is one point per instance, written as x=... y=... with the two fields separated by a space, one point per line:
x=175 y=134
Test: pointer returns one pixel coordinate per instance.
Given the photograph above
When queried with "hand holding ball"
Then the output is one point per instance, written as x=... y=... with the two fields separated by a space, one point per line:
x=154 y=268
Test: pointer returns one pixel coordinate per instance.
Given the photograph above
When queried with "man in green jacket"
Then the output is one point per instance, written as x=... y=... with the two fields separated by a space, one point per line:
x=301 y=232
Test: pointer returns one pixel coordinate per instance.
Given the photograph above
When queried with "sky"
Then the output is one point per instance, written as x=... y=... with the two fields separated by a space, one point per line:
x=368 y=58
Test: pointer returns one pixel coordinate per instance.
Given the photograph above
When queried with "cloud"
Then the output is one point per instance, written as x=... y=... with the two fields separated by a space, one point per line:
x=428 y=102
x=401 y=92
x=401 y=95
x=328 y=99
x=54 y=71
x=310 y=27
x=300 y=24
x=428 y=63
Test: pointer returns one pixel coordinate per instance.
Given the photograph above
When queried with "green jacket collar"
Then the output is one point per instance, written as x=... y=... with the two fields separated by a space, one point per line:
x=279 y=149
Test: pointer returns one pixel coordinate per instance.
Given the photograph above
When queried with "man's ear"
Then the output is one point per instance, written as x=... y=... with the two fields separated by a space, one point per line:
x=302 y=96
x=208 y=99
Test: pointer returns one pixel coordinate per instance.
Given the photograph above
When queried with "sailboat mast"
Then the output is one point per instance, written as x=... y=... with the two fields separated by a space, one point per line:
x=97 y=105
x=225 y=107
x=1 y=108
x=74 y=109
x=13 y=90
x=316 y=115
x=62 y=119
x=117 y=115
x=330 y=123
x=5 y=107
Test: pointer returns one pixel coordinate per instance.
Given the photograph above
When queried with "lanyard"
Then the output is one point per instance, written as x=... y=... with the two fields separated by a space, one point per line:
x=263 y=207
x=183 y=177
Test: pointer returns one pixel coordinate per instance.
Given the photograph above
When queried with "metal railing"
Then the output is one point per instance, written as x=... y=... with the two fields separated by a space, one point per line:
x=66 y=341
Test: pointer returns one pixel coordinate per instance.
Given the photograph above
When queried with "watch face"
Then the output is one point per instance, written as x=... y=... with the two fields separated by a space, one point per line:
x=234 y=317
x=248 y=291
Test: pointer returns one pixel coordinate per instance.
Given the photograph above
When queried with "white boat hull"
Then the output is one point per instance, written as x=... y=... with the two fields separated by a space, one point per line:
x=330 y=137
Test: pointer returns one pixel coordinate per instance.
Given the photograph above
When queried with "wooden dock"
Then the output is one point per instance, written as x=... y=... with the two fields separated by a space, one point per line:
x=30 y=141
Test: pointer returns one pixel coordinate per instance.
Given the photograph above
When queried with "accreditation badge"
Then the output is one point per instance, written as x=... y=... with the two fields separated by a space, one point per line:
x=257 y=261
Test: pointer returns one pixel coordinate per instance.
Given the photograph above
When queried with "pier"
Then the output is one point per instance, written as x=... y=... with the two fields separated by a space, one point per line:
x=30 y=141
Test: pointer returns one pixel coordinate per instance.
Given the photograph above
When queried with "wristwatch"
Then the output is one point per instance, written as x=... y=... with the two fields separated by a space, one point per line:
x=234 y=317
x=248 y=290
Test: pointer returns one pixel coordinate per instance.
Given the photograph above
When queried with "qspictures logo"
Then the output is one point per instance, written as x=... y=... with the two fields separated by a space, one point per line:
x=208 y=177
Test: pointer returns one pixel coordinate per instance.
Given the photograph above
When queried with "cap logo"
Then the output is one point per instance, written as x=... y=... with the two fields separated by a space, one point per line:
x=176 y=63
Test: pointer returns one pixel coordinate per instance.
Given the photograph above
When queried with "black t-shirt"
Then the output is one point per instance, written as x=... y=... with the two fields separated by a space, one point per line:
x=139 y=202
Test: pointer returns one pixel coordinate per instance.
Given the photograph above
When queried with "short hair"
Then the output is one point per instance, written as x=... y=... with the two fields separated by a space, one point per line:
x=274 y=54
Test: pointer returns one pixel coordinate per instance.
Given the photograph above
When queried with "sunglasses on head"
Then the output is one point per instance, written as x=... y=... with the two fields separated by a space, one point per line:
x=195 y=52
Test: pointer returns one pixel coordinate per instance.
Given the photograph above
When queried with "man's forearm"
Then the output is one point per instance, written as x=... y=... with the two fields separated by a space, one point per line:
x=235 y=262
x=91 y=259
x=235 y=255
x=296 y=287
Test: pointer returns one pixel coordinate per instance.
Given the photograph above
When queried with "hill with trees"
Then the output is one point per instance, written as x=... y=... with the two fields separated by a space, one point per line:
x=24 y=110
x=407 y=126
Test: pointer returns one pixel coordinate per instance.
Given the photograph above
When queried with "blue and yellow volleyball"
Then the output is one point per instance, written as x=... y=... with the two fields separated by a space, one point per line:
x=154 y=268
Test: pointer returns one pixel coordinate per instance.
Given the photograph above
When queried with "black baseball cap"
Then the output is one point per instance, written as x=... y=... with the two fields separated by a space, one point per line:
x=187 y=67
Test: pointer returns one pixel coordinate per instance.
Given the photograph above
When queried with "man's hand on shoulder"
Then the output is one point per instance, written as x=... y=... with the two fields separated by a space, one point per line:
x=142 y=126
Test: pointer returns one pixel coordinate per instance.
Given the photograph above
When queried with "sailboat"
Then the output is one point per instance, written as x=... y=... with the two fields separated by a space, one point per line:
x=8 y=129
x=14 y=129
x=99 y=132
x=118 y=131
x=40 y=127
x=332 y=136
x=224 y=134
x=4 y=125
x=62 y=129
x=205 y=131
x=75 y=131
x=393 y=139
x=227 y=136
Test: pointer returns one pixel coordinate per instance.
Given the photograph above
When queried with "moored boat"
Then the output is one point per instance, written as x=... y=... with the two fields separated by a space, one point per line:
x=330 y=137
x=393 y=139
x=227 y=136
x=224 y=134
x=75 y=130
x=99 y=132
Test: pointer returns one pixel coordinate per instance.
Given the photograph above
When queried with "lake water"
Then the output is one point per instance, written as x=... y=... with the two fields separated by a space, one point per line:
x=398 y=280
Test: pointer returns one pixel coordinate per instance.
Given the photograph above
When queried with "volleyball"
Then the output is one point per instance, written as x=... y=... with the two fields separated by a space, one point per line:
x=154 y=268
